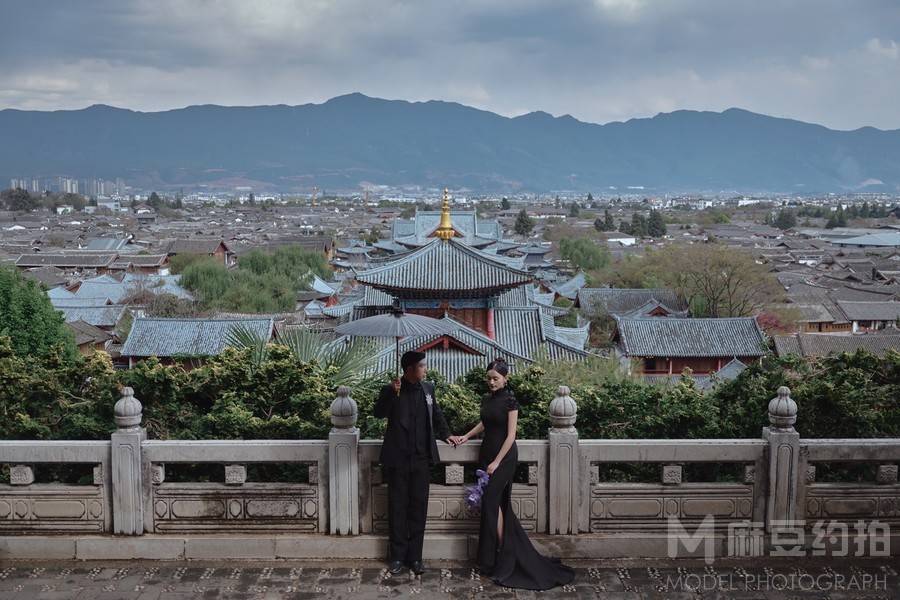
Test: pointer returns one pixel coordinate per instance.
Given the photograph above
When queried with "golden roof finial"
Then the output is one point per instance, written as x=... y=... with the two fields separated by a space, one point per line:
x=445 y=230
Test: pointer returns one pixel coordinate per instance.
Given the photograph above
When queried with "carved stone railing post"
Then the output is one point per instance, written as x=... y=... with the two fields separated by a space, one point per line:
x=127 y=478
x=343 y=466
x=565 y=488
x=784 y=459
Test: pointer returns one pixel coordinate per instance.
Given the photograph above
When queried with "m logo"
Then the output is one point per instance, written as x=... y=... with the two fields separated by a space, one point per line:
x=704 y=535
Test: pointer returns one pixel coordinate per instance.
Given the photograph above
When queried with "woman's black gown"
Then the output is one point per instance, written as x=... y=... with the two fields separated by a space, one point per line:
x=517 y=564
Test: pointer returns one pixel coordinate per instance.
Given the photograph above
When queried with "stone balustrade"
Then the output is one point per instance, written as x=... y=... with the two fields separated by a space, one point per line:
x=339 y=490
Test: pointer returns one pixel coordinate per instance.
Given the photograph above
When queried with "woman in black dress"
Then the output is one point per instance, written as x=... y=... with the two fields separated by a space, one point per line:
x=505 y=553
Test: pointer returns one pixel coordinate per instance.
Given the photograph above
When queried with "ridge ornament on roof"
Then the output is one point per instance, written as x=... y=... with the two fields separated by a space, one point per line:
x=445 y=230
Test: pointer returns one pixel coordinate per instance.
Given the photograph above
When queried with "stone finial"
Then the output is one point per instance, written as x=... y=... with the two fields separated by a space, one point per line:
x=563 y=410
x=128 y=411
x=783 y=410
x=343 y=409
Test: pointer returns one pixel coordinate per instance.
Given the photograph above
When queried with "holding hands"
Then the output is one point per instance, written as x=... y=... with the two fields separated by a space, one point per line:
x=457 y=440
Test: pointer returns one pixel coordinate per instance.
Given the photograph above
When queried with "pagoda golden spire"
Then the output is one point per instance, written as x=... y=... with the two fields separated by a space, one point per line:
x=445 y=230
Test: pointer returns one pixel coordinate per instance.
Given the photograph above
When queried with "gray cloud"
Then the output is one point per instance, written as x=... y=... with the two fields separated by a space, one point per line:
x=827 y=61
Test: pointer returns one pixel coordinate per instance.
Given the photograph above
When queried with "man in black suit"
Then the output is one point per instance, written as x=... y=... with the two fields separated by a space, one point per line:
x=407 y=453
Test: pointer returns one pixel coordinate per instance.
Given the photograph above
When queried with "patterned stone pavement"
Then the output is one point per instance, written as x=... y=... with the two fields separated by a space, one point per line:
x=830 y=579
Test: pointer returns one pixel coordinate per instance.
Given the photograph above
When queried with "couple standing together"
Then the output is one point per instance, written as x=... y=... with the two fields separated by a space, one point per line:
x=505 y=554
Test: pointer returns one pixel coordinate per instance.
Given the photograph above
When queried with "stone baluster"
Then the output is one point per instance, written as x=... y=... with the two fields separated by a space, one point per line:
x=343 y=465
x=127 y=478
x=784 y=458
x=565 y=491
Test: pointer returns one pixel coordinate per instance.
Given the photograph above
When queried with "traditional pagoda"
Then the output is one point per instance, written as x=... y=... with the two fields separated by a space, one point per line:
x=494 y=304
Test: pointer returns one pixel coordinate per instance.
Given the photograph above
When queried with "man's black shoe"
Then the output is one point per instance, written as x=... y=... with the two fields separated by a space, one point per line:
x=396 y=567
x=418 y=567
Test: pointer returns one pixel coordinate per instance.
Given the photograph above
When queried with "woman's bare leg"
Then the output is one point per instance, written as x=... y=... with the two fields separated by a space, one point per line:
x=499 y=527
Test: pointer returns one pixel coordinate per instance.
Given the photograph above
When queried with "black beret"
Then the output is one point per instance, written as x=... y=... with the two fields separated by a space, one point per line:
x=411 y=358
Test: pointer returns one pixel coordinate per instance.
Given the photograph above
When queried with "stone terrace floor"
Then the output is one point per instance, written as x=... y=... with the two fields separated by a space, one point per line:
x=726 y=578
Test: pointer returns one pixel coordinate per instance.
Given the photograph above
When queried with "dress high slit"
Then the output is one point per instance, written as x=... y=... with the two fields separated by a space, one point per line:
x=513 y=561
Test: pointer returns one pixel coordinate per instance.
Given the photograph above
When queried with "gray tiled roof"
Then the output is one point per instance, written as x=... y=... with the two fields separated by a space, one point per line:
x=454 y=362
x=648 y=307
x=107 y=243
x=193 y=246
x=146 y=260
x=79 y=260
x=821 y=344
x=86 y=333
x=98 y=316
x=49 y=276
x=118 y=291
x=618 y=301
x=870 y=311
x=59 y=292
x=875 y=239
x=520 y=330
x=810 y=313
x=474 y=231
x=79 y=301
x=737 y=336
x=569 y=289
x=441 y=266
x=186 y=337
x=573 y=336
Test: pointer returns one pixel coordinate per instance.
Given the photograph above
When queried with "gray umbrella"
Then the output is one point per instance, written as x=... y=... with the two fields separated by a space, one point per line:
x=396 y=324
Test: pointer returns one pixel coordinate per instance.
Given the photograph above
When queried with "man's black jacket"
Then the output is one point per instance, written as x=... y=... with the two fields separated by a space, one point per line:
x=395 y=447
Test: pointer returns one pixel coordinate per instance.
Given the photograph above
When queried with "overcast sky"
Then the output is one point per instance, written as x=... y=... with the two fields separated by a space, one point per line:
x=830 y=62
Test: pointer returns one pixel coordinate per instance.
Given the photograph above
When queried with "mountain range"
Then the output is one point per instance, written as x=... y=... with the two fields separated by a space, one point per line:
x=356 y=140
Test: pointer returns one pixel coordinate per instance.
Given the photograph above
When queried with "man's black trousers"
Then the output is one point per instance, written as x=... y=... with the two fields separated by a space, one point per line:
x=407 y=507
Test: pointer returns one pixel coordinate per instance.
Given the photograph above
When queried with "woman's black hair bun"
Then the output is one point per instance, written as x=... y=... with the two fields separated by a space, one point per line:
x=499 y=365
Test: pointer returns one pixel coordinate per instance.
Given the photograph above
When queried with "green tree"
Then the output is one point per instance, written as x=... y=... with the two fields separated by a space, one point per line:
x=716 y=281
x=18 y=199
x=656 y=225
x=155 y=201
x=251 y=199
x=373 y=236
x=524 y=224
x=261 y=283
x=34 y=327
x=574 y=210
x=786 y=219
x=638 y=225
x=504 y=203
x=584 y=254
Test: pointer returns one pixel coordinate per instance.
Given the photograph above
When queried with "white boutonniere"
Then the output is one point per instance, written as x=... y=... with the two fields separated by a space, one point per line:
x=428 y=399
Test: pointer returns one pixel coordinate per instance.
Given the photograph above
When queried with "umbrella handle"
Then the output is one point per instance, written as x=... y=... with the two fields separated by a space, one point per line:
x=397 y=360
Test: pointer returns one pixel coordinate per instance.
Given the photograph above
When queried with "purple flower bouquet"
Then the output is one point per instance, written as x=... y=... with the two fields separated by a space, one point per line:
x=474 y=492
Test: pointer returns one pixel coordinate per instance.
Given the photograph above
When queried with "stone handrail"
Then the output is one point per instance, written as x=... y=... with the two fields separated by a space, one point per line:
x=28 y=507
x=343 y=492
